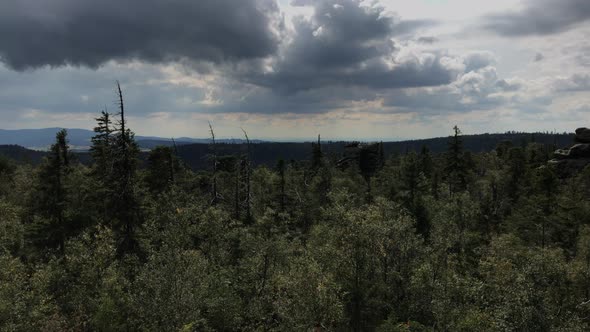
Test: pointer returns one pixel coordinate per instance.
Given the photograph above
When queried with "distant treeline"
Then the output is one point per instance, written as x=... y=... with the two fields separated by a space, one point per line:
x=196 y=156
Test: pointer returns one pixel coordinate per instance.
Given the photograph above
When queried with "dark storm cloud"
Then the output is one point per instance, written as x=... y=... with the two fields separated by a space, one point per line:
x=539 y=17
x=34 y=33
x=346 y=55
x=346 y=43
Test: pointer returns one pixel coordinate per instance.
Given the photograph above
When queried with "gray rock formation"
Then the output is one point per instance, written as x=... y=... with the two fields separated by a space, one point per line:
x=583 y=135
x=569 y=162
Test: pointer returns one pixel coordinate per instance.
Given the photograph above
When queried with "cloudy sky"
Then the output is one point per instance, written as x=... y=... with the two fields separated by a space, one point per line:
x=290 y=69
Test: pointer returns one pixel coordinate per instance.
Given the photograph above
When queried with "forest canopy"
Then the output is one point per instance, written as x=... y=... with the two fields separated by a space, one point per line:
x=364 y=241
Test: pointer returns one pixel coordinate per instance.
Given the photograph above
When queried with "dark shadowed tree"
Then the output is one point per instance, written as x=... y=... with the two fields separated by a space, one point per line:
x=53 y=228
x=125 y=205
x=317 y=156
x=456 y=168
x=281 y=169
x=368 y=165
x=162 y=169
x=214 y=193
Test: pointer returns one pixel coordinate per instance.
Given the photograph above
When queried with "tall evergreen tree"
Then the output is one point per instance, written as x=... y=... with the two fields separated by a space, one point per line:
x=247 y=179
x=281 y=168
x=162 y=169
x=368 y=165
x=516 y=172
x=317 y=156
x=381 y=162
x=101 y=149
x=456 y=168
x=214 y=192
x=414 y=184
x=426 y=164
x=102 y=154
x=51 y=202
x=124 y=202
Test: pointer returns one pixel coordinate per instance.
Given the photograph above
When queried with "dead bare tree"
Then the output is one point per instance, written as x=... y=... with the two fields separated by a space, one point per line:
x=122 y=109
x=237 y=189
x=214 y=192
x=248 y=173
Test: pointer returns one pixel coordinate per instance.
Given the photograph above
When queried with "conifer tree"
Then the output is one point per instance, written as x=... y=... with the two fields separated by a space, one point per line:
x=516 y=171
x=426 y=162
x=102 y=142
x=381 y=162
x=161 y=170
x=368 y=165
x=214 y=193
x=414 y=184
x=282 y=184
x=124 y=203
x=317 y=157
x=247 y=176
x=52 y=230
x=410 y=176
x=237 y=183
x=102 y=155
x=456 y=169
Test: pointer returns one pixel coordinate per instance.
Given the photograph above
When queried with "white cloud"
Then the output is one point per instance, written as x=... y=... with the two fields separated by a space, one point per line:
x=366 y=73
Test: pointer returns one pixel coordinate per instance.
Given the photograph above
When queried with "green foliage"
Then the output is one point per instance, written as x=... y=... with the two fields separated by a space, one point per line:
x=457 y=165
x=163 y=169
x=50 y=200
x=11 y=229
x=373 y=245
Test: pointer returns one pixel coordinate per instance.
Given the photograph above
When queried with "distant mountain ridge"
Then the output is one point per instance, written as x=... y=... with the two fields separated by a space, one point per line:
x=196 y=155
x=268 y=153
x=80 y=139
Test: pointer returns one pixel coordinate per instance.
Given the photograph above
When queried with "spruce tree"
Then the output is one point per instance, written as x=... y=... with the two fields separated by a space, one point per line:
x=102 y=168
x=381 y=162
x=516 y=172
x=368 y=165
x=214 y=193
x=317 y=157
x=282 y=184
x=161 y=169
x=426 y=164
x=53 y=228
x=247 y=180
x=456 y=168
x=124 y=201
x=101 y=149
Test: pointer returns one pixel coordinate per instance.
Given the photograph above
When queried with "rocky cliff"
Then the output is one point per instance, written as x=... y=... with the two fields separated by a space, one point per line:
x=570 y=161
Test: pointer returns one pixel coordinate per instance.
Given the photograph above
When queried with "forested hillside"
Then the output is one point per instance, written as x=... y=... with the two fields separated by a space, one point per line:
x=418 y=241
x=267 y=153
x=196 y=156
x=81 y=139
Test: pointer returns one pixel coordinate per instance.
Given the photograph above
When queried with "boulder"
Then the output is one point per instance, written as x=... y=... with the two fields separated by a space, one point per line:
x=568 y=162
x=580 y=151
x=561 y=154
x=569 y=167
x=583 y=135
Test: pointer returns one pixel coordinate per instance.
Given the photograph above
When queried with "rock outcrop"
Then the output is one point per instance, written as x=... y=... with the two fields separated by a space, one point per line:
x=569 y=162
x=583 y=135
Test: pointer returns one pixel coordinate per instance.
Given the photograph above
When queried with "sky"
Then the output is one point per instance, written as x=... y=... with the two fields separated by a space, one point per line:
x=293 y=69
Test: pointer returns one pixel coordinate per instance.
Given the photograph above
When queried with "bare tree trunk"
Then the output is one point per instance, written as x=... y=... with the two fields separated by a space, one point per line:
x=214 y=193
x=248 y=172
x=121 y=107
x=237 y=190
